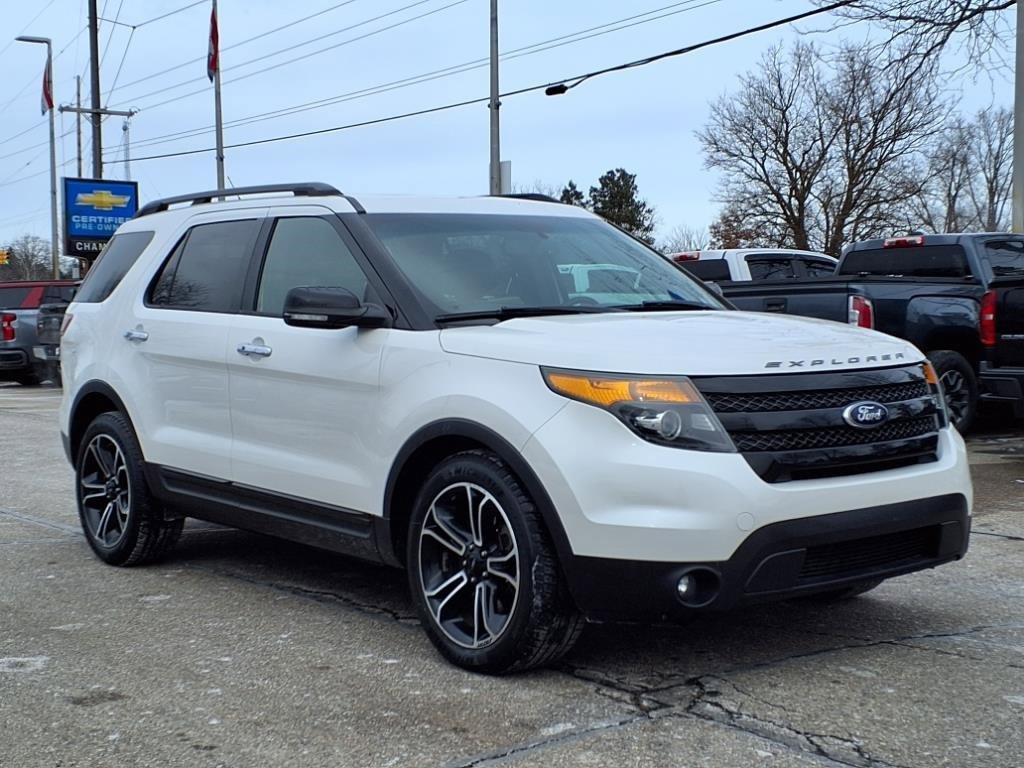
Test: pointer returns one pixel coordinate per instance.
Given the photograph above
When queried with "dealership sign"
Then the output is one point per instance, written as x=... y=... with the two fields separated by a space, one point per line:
x=93 y=209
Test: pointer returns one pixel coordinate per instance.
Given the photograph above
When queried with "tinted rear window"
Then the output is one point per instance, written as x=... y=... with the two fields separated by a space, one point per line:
x=112 y=265
x=708 y=269
x=13 y=298
x=920 y=261
x=206 y=271
x=771 y=268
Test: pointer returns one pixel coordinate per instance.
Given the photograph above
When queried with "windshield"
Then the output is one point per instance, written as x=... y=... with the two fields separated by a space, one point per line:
x=473 y=263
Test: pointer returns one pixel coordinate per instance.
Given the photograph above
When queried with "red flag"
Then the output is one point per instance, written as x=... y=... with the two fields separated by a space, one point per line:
x=47 y=101
x=213 y=54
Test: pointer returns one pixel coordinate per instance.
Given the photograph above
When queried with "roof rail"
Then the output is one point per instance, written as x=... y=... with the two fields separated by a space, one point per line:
x=307 y=189
x=531 y=196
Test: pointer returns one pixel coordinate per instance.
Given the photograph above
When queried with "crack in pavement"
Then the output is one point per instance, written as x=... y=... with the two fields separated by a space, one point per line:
x=317 y=595
x=51 y=524
x=995 y=535
x=840 y=750
x=510 y=753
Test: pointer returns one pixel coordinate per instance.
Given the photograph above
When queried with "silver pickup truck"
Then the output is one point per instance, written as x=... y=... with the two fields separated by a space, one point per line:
x=23 y=356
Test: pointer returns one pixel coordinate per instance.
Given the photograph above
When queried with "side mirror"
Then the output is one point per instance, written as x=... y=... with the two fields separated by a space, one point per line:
x=715 y=288
x=327 y=307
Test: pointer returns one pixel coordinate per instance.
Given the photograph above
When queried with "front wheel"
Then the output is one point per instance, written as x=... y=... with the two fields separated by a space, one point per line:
x=959 y=387
x=482 y=571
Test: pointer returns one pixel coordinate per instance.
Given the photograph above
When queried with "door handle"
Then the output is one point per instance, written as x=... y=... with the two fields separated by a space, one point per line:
x=254 y=350
x=776 y=305
x=136 y=335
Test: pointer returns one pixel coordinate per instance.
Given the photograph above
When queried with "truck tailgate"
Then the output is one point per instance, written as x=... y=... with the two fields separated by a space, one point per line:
x=824 y=298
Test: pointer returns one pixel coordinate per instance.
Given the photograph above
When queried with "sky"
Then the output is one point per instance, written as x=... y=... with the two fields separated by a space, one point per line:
x=642 y=120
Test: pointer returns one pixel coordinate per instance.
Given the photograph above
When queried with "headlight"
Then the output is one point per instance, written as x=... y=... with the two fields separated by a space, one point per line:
x=935 y=385
x=664 y=410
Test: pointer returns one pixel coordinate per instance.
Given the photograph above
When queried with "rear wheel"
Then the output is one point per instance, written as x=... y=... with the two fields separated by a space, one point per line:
x=482 y=571
x=959 y=387
x=30 y=379
x=123 y=523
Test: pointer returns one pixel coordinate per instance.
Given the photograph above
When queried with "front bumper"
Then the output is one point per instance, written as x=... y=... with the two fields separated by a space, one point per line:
x=780 y=561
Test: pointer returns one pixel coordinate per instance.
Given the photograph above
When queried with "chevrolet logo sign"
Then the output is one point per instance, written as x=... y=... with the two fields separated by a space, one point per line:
x=102 y=200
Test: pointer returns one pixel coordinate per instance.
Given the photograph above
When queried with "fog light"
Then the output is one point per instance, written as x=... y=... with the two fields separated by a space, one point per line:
x=686 y=587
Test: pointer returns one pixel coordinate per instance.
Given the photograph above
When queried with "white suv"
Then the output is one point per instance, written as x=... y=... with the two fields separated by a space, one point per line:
x=426 y=383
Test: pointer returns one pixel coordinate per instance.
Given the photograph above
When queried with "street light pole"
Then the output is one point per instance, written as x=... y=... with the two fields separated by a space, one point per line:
x=48 y=90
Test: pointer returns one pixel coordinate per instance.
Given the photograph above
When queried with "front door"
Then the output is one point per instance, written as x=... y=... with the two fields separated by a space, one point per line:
x=304 y=401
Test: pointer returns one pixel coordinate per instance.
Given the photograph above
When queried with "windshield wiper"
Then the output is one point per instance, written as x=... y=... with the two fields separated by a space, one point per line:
x=663 y=306
x=510 y=313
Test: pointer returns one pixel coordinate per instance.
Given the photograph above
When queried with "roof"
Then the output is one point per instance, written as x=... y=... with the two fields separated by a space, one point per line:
x=37 y=283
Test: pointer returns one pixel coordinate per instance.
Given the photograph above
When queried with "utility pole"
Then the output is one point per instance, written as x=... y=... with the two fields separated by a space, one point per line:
x=97 y=116
x=78 y=120
x=494 y=106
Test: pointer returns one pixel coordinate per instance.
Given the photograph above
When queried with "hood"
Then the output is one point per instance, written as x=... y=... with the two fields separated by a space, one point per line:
x=717 y=343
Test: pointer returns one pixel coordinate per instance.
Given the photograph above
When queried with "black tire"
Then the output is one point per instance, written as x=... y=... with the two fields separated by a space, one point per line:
x=959 y=385
x=846 y=593
x=31 y=379
x=540 y=622
x=123 y=523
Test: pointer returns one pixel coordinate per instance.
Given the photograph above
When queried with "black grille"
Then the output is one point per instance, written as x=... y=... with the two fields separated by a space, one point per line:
x=812 y=400
x=873 y=554
x=833 y=437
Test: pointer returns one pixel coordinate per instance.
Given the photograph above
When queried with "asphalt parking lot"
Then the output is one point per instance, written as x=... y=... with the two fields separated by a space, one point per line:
x=244 y=651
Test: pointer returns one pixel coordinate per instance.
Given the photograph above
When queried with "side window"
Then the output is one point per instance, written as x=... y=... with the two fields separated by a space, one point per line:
x=206 y=271
x=819 y=268
x=1005 y=256
x=777 y=268
x=120 y=253
x=306 y=251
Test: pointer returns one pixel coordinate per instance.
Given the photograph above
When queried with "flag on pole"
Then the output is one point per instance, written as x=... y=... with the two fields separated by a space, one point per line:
x=47 y=101
x=213 y=54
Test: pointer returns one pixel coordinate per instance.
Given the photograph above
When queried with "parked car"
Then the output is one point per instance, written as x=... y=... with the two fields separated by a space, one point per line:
x=746 y=264
x=422 y=382
x=22 y=357
x=957 y=297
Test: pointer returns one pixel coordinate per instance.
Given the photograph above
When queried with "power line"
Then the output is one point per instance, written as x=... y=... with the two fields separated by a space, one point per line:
x=110 y=37
x=135 y=99
x=538 y=47
x=121 y=65
x=233 y=45
x=34 y=146
x=529 y=89
x=12 y=40
x=170 y=13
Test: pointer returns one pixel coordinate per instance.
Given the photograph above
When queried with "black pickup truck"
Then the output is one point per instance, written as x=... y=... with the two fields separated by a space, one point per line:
x=957 y=297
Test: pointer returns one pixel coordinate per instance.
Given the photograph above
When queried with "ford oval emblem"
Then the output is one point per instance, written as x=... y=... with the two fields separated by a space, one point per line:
x=866 y=415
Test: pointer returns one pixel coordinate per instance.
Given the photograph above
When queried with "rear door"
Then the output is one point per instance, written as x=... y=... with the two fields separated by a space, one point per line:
x=1005 y=258
x=305 y=404
x=173 y=340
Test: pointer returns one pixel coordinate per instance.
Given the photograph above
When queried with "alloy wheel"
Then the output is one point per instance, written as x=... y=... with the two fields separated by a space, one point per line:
x=104 y=490
x=469 y=565
x=957 y=394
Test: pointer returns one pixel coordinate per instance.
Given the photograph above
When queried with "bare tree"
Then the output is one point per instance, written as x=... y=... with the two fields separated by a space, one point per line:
x=925 y=28
x=537 y=188
x=818 y=151
x=685 y=238
x=969 y=180
x=28 y=259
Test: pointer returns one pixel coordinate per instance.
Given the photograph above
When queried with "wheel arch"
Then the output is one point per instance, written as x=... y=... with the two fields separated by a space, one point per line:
x=423 y=451
x=94 y=398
